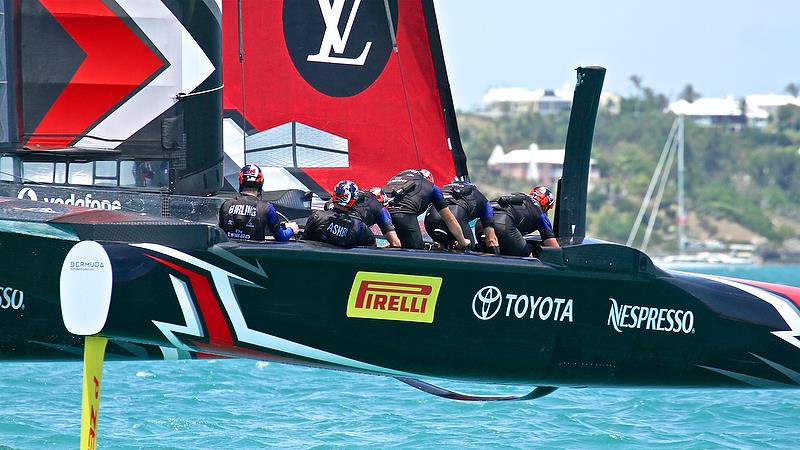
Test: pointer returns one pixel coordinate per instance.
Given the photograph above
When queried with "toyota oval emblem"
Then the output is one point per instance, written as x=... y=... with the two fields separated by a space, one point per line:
x=486 y=302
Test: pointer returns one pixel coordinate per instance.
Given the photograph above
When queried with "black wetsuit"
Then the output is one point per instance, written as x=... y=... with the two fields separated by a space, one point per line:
x=338 y=228
x=410 y=195
x=466 y=203
x=247 y=217
x=515 y=216
x=371 y=211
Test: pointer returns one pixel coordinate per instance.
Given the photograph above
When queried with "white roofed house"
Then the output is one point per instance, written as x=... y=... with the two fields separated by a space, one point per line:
x=541 y=166
x=516 y=100
x=712 y=112
x=727 y=112
x=499 y=101
x=760 y=108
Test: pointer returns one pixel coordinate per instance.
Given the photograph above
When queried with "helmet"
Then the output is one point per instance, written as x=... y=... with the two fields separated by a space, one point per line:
x=542 y=196
x=344 y=193
x=380 y=195
x=427 y=174
x=251 y=175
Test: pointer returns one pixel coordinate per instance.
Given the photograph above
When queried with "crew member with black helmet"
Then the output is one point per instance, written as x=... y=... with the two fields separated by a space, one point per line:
x=247 y=216
x=371 y=207
x=340 y=225
x=410 y=193
x=516 y=215
x=466 y=203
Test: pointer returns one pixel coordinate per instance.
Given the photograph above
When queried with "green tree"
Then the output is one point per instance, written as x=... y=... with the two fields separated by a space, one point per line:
x=689 y=93
x=792 y=89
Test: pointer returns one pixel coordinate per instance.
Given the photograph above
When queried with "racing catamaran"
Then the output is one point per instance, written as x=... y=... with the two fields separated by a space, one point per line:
x=310 y=96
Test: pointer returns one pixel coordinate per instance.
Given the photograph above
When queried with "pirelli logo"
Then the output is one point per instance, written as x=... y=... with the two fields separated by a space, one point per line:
x=389 y=296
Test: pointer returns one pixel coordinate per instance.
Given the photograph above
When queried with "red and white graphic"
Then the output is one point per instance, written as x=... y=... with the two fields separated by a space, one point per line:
x=138 y=58
x=210 y=298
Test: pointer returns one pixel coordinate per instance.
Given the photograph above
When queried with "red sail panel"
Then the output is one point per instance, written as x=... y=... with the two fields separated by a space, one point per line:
x=301 y=67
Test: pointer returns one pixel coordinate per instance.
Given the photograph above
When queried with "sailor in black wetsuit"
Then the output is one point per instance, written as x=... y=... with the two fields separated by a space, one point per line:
x=516 y=215
x=466 y=203
x=411 y=192
x=371 y=207
x=247 y=216
x=340 y=225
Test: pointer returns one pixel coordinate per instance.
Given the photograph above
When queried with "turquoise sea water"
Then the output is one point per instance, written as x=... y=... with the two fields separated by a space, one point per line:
x=250 y=404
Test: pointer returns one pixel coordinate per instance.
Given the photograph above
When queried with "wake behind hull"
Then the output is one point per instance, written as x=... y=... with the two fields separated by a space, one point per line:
x=588 y=315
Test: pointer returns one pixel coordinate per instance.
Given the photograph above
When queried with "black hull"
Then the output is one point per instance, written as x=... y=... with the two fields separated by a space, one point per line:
x=594 y=314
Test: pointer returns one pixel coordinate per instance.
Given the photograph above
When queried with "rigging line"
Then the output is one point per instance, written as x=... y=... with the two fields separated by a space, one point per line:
x=405 y=91
x=80 y=136
x=681 y=198
x=192 y=94
x=391 y=24
x=657 y=201
x=652 y=186
x=241 y=64
x=408 y=108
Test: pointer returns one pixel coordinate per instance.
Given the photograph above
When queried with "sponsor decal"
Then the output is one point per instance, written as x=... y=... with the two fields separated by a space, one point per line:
x=86 y=265
x=489 y=301
x=11 y=298
x=86 y=200
x=83 y=310
x=339 y=47
x=389 y=296
x=649 y=318
x=337 y=230
x=242 y=210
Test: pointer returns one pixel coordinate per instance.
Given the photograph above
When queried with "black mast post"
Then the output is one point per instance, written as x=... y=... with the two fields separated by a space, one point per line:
x=572 y=194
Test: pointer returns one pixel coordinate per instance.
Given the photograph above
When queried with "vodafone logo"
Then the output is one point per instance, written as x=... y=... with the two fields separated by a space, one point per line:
x=27 y=193
x=87 y=200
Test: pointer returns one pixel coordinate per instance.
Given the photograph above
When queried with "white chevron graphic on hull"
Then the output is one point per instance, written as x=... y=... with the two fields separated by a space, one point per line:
x=188 y=67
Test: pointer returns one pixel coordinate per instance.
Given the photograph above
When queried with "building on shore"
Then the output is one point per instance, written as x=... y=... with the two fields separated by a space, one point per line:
x=542 y=166
x=733 y=114
x=516 y=100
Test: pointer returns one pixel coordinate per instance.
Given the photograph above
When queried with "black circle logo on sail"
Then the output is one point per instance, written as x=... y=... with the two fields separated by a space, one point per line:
x=340 y=47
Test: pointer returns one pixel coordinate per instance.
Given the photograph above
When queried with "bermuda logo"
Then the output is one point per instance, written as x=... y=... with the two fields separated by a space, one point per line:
x=339 y=47
x=332 y=41
x=649 y=318
x=389 y=296
x=489 y=301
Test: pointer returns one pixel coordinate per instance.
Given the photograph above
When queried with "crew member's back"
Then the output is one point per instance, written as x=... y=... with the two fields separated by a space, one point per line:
x=411 y=191
x=340 y=225
x=247 y=216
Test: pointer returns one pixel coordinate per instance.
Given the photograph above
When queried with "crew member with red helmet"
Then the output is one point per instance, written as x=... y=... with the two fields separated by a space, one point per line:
x=247 y=216
x=340 y=225
x=516 y=215
x=411 y=192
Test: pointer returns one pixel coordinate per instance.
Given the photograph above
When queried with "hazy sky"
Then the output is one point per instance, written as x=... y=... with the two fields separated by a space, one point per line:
x=722 y=47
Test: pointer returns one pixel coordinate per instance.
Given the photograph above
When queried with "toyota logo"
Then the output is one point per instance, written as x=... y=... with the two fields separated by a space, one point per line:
x=486 y=302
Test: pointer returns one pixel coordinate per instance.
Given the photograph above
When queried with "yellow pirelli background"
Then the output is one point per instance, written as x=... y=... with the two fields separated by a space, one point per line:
x=391 y=296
